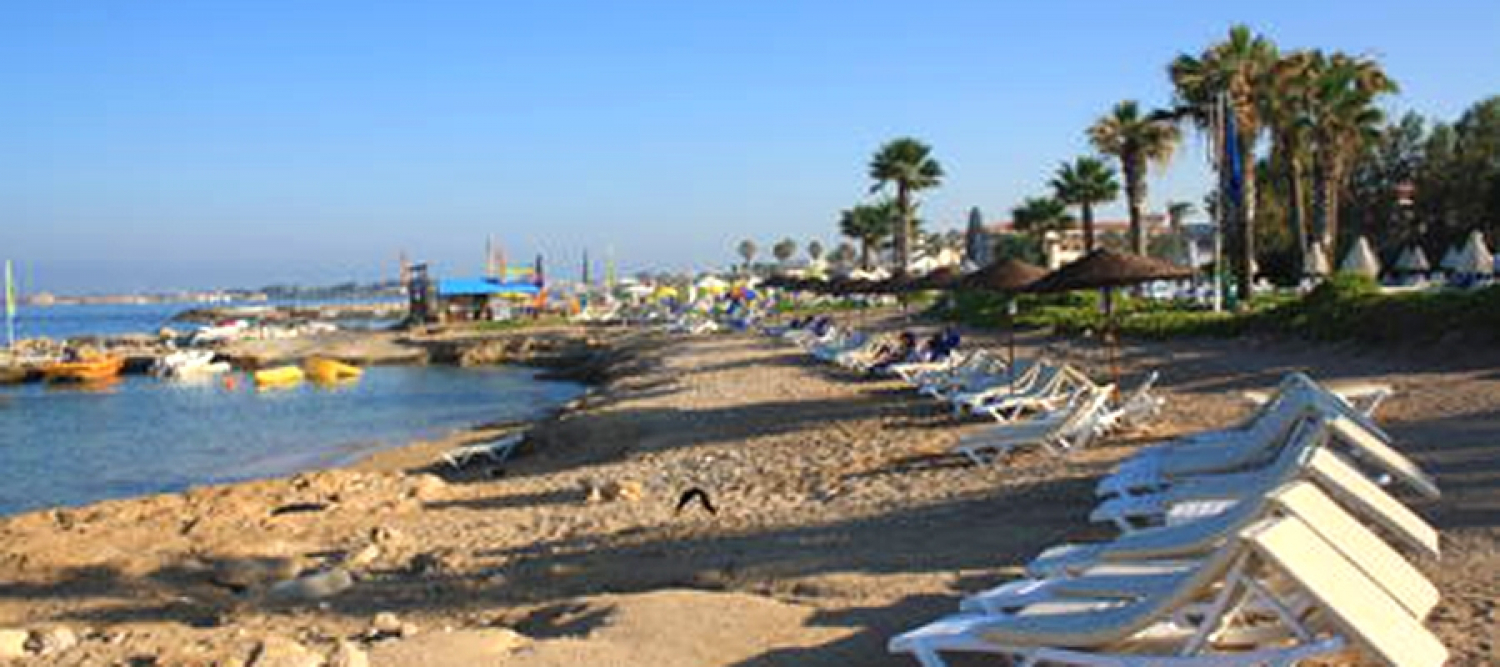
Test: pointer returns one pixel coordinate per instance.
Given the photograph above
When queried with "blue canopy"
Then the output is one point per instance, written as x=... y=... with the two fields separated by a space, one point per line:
x=483 y=287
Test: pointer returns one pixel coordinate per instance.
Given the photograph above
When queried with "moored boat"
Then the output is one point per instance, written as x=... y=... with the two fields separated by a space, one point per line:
x=281 y=376
x=188 y=363
x=329 y=371
x=89 y=369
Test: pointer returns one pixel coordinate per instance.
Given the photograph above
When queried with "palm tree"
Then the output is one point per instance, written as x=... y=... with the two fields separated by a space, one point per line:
x=784 y=250
x=815 y=250
x=1233 y=73
x=747 y=250
x=1345 y=120
x=908 y=165
x=869 y=224
x=1138 y=140
x=1177 y=212
x=842 y=255
x=1286 y=113
x=1084 y=182
x=1036 y=215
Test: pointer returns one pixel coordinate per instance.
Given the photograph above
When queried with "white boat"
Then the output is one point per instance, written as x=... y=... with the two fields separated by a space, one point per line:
x=188 y=363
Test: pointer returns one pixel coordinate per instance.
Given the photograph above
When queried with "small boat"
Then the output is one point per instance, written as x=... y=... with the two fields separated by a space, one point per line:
x=90 y=369
x=188 y=363
x=13 y=374
x=281 y=376
x=329 y=371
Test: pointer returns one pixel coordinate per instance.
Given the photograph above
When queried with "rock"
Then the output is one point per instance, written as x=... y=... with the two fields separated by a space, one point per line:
x=363 y=557
x=251 y=572
x=386 y=623
x=347 y=654
x=427 y=487
x=281 y=652
x=628 y=490
x=53 y=640
x=314 y=586
x=385 y=536
x=13 y=643
x=433 y=562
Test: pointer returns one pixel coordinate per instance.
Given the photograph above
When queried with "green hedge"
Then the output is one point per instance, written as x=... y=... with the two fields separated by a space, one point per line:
x=1342 y=308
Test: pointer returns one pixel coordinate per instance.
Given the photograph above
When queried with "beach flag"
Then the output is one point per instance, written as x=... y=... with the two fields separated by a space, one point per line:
x=10 y=305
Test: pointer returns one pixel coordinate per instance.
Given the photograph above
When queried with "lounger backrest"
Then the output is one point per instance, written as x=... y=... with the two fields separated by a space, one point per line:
x=1368 y=552
x=1185 y=539
x=1352 y=489
x=1379 y=453
x=1359 y=608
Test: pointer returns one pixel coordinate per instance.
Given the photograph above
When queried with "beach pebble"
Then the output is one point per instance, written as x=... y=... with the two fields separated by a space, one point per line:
x=252 y=572
x=427 y=487
x=386 y=536
x=314 y=586
x=627 y=490
x=365 y=556
x=54 y=640
x=348 y=654
x=282 y=652
x=13 y=643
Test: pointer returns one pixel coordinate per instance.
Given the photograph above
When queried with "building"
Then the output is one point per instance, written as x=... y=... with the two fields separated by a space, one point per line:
x=1061 y=247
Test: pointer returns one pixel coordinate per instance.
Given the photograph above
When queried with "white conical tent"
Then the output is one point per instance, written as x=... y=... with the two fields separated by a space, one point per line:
x=1475 y=259
x=1450 y=259
x=1361 y=260
x=1316 y=261
x=1413 y=260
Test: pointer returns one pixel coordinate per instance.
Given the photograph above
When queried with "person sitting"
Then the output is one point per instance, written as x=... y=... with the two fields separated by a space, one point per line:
x=897 y=351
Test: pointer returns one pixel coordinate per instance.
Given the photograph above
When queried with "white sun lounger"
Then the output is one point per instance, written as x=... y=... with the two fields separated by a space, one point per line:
x=1159 y=563
x=1319 y=601
x=1066 y=429
x=495 y=451
x=1209 y=491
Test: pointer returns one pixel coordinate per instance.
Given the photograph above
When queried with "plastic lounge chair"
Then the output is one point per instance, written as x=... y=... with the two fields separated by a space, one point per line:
x=495 y=451
x=1040 y=396
x=1292 y=457
x=1066 y=429
x=1319 y=603
x=1160 y=561
x=1365 y=397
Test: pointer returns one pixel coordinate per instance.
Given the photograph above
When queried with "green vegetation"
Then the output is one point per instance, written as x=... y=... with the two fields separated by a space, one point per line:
x=1344 y=308
x=908 y=165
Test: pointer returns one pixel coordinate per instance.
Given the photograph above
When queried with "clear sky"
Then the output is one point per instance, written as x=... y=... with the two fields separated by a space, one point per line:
x=151 y=145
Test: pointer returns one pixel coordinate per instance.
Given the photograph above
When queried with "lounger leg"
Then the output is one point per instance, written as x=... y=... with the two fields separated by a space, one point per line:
x=928 y=657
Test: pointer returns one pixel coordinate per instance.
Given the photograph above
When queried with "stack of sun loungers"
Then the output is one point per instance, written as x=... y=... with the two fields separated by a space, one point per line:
x=1268 y=543
x=1037 y=403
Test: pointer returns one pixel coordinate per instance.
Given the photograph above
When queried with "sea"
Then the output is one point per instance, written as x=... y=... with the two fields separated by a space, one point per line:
x=67 y=446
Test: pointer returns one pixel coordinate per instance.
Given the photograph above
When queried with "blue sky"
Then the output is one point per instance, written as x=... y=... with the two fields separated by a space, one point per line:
x=193 y=144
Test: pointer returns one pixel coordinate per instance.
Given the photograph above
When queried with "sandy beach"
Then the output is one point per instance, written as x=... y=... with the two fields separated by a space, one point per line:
x=840 y=520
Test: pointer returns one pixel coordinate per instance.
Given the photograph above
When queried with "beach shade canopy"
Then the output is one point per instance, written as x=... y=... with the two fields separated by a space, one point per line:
x=1361 y=260
x=777 y=281
x=1412 y=260
x=1106 y=268
x=1450 y=259
x=1009 y=275
x=1315 y=262
x=942 y=278
x=1475 y=259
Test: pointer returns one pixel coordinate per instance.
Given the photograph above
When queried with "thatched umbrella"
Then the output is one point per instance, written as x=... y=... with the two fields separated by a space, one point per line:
x=1412 y=260
x=1106 y=270
x=941 y=279
x=1008 y=276
x=1315 y=262
x=1361 y=260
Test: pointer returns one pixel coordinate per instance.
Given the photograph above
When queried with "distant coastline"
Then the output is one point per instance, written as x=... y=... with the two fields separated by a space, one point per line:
x=273 y=293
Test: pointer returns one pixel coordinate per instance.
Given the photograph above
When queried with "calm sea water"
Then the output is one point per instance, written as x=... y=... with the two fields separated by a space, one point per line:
x=71 y=446
x=67 y=321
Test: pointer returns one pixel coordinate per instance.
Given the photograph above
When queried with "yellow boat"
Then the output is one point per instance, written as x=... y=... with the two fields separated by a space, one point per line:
x=329 y=371
x=281 y=376
x=91 y=369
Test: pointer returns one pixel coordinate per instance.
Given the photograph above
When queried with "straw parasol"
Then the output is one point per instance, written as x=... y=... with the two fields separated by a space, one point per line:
x=1361 y=260
x=1106 y=269
x=1315 y=262
x=1475 y=259
x=942 y=278
x=1008 y=276
x=1412 y=260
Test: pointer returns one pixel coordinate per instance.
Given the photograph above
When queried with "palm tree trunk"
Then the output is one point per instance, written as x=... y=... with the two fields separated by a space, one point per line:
x=1135 y=194
x=864 y=254
x=1297 y=212
x=903 y=228
x=1320 y=207
x=1245 y=213
x=1335 y=180
x=1088 y=226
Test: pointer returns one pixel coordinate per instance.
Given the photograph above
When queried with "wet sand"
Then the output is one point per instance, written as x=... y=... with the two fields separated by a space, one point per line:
x=840 y=520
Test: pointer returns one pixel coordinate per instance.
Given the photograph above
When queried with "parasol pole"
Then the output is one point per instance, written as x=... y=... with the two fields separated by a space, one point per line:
x=1010 y=316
